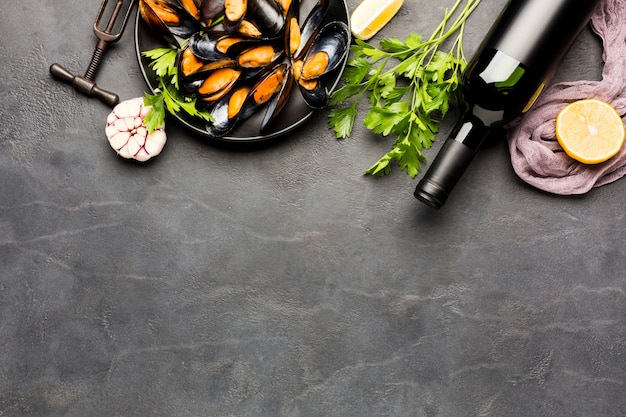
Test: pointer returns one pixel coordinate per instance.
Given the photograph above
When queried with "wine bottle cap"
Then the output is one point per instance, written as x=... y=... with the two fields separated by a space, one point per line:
x=431 y=193
x=449 y=165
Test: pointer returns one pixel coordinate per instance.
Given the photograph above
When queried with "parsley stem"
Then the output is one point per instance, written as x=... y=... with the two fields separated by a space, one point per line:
x=408 y=85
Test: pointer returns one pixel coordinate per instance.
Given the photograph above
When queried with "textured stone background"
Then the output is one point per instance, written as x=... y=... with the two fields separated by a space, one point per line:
x=281 y=281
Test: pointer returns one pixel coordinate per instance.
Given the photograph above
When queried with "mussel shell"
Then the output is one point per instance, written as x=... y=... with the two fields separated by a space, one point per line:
x=317 y=97
x=265 y=15
x=169 y=20
x=292 y=28
x=260 y=55
x=234 y=13
x=334 y=40
x=310 y=28
x=277 y=103
x=190 y=84
x=192 y=7
x=221 y=124
x=223 y=121
x=217 y=44
x=211 y=9
x=259 y=96
x=204 y=45
x=190 y=65
x=278 y=78
x=204 y=11
x=285 y=5
x=223 y=84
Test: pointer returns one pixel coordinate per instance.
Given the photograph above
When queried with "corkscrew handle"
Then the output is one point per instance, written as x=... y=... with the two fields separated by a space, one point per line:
x=107 y=35
x=84 y=85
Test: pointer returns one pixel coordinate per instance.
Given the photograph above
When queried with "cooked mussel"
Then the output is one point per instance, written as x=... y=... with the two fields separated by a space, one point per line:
x=208 y=80
x=314 y=92
x=212 y=45
x=293 y=33
x=279 y=99
x=218 y=83
x=326 y=53
x=168 y=19
x=260 y=55
x=226 y=111
x=268 y=86
x=268 y=94
x=262 y=19
x=285 y=5
x=299 y=37
x=190 y=63
x=204 y=11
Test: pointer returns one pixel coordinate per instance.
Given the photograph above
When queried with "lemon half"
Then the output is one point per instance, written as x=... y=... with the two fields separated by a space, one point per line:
x=590 y=131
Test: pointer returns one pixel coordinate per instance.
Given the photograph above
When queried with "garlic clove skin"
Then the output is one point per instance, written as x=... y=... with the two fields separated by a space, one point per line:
x=128 y=135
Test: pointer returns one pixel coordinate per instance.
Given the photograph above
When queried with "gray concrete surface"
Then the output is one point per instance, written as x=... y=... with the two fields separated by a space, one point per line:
x=280 y=281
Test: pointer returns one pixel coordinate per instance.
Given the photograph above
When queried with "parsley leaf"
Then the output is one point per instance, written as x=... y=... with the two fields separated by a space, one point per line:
x=156 y=117
x=163 y=61
x=167 y=97
x=343 y=120
x=408 y=85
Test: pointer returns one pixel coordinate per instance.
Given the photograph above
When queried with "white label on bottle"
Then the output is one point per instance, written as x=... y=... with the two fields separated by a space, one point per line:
x=500 y=69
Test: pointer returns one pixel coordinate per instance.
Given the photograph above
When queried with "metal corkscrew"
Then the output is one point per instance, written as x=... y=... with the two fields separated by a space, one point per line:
x=86 y=84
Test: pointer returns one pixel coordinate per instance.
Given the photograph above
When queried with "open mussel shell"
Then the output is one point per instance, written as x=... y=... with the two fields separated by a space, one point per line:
x=218 y=83
x=227 y=111
x=278 y=101
x=293 y=32
x=191 y=65
x=209 y=82
x=210 y=10
x=214 y=45
x=316 y=93
x=260 y=55
x=268 y=86
x=285 y=5
x=327 y=52
x=299 y=37
x=169 y=20
x=204 y=11
x=262 y=19
x=206 y=45
x=269 y=94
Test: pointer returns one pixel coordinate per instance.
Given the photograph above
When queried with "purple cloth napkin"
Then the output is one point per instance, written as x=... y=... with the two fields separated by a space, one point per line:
x=536 y=156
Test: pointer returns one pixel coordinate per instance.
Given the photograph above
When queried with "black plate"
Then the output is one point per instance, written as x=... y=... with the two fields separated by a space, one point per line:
x=293 y=114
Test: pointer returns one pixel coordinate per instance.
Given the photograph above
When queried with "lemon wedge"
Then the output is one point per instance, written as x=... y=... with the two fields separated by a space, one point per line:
x=590 y=131
x=371 y=16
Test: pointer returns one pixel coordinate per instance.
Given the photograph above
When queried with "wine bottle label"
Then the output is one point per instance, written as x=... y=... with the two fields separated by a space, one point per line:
x=503 y=70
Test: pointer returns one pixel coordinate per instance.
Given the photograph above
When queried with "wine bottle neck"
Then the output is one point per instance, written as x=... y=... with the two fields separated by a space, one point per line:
x=452 y=160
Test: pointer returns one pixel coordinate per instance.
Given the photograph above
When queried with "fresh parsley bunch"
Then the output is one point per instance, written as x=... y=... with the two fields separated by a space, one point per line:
x=167 y=96
x=408 y=84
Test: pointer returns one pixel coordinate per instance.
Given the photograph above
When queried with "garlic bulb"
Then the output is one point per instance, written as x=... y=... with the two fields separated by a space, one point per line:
x=128 y=135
